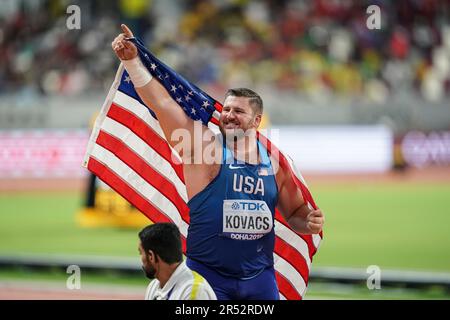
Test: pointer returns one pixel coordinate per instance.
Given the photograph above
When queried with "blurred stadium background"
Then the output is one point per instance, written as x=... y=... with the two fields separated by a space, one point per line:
x=364 y=113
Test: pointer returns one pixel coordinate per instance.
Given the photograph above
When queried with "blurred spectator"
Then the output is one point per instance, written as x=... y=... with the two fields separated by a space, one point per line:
x=319 y=48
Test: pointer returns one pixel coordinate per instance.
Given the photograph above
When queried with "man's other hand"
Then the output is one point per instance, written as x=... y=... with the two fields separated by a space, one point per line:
x=315 y=221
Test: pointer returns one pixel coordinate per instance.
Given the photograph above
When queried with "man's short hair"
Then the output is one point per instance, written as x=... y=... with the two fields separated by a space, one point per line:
x=164 y=240
x=255 y=99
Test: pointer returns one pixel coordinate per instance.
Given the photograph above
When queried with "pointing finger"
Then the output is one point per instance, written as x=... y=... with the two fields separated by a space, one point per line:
x=126 y=31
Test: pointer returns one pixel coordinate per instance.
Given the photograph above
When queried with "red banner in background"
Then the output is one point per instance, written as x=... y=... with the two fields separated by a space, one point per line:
x=58 y=153
x=42 y=153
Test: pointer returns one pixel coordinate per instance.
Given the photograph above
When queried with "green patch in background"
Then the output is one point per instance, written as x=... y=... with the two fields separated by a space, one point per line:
x=391 y=226
x=45 y=223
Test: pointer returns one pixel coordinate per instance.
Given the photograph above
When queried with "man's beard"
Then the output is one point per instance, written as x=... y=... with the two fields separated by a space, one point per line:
x=149 y=273
x=233 y=134
x=238 y=134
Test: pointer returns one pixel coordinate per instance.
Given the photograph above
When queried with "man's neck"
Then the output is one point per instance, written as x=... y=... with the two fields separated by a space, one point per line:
x=245 y=149
x=166 y=272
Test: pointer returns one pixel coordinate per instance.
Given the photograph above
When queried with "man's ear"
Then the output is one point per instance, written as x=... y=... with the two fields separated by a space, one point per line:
x=257 y=120
x=153 y=257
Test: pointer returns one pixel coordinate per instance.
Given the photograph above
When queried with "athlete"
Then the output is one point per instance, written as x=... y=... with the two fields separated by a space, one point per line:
x=162 y=259
x=232 y=199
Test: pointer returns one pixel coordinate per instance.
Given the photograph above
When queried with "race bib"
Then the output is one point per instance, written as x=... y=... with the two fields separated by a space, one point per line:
x=246 y=219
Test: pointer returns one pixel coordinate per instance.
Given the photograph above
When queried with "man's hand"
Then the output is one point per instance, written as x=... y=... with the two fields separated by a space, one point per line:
x=314 y=221
x=124 y=49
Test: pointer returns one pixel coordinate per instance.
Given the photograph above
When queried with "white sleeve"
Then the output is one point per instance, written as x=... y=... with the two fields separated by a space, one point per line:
x=184 y=293
x=151 y=289
x=205 y=292
x=202 y=292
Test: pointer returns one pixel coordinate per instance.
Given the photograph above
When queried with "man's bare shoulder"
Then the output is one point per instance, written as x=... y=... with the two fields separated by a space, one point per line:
x=204 y=167
x=212 y=149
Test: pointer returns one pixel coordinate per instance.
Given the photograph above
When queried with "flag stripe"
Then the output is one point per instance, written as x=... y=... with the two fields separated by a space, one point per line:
x=316 y=239
x=289 y=273
x=286 y=288
x=147 y=153
x=122 y=187
x=216 y=115
x=298 y=243
x=312 y=248
x=215 y=121
x=293 y=257
x=140 y=111
x=144 y=131
x=307 y=239
x=218 y=106
x=147 y=173
x=140 y=186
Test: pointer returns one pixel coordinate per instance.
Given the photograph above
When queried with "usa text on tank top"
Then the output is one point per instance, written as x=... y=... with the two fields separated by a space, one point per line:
x=232 y=219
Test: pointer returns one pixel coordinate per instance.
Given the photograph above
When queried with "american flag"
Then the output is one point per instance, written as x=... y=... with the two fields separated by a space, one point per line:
x=129 y=152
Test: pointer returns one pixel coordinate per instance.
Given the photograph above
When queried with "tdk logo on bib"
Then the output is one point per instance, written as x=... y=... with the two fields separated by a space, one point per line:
x=250 y=206
x=246 y=219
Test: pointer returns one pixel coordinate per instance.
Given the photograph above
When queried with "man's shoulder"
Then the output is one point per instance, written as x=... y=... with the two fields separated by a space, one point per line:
x=205 y=162
x=206 y=150
x=196 y=288
x=153 y=283
x=189 y=277
x=215 y=142
x=151 y=289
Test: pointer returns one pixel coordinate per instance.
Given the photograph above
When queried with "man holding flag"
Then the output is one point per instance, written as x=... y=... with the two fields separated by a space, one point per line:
x=235 y=191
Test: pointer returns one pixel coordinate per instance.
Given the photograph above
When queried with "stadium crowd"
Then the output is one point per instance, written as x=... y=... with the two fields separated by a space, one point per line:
x=321 y=49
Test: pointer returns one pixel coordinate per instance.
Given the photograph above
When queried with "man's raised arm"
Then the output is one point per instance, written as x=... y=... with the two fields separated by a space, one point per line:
x=170 y=115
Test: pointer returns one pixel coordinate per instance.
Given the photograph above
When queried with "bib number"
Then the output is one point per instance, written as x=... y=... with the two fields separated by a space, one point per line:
x=246 y=219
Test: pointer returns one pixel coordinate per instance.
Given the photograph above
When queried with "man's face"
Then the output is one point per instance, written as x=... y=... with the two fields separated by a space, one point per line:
x=238 y=116
x=147 y=265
